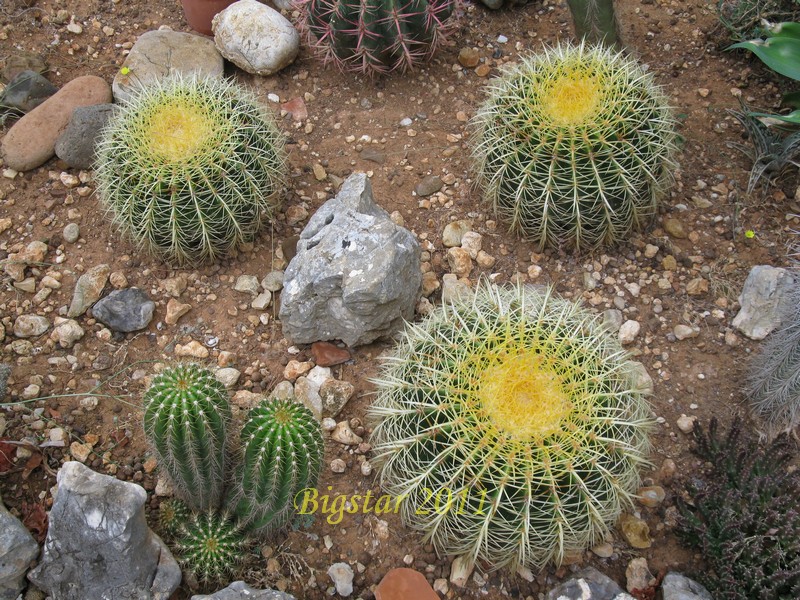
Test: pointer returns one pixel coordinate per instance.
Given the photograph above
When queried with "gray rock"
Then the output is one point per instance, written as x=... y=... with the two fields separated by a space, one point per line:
x=71 y=233
x=158 y=54
x=612 y=319
x=5 y=371
x=26 y=326
x=356 y=276
x=98 y=544
x=18 y=550
x=88 y=289
x=335 y=394
x=239 y=590
x=273 y=281
x=342 y=576
x=429 y=185
x=26 y=91
x=639 y=377
x=588 y=584
x=678 y=587
x=66 y=332
x=255 y=37
x=762 y=300
x=125 y=310
x=247 y=284
x=453 y=289
x=76 y=145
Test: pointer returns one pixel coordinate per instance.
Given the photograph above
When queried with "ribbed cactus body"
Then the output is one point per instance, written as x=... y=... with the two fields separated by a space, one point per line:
x=282 y=449
x=186 y=413
x=511 y=427
x=190 y=167
x=574 y=146
x=173 y=514
x=774 y=378
x=375 y=36
x=210 y=546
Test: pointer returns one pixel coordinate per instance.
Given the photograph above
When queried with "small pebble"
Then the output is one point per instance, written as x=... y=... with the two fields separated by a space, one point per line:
x=71 y=233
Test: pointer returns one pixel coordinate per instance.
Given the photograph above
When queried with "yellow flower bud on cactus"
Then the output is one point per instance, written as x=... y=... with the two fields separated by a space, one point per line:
x=510 y=425
x=574 y=146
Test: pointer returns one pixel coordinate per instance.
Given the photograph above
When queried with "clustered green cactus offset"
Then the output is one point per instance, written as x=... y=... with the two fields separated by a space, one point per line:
x=190 y=167
x=186 y=414
x=574 y=146
x=281 y=455
x=377 y=36
x=211 y=545
x=510 y=425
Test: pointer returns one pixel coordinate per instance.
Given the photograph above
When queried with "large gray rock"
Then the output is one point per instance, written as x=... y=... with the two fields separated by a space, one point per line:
x=356 y=275
x=588 y=584
x=26 y=91
x=76 y=145
x=18 y=550
x=677 y=587
x=762 y=300
x=157 y=55
x=239 y=590
x=256 y=38
x=125 y=310
x=98 y=544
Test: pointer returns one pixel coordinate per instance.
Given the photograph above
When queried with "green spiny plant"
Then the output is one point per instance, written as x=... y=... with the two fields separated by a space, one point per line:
x=186 y=413
x=173 y=514
x=281 y=455
x=595 y=21
x=190 y=167
x=510 y=425
x=211 y=545
x=743 y=516
x=377 y=36
x=774 y=378
x=574 y=146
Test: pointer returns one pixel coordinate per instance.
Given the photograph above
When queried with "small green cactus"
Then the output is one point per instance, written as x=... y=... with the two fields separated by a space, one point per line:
x=574 y=146
x=186 y=413
x=377 y=36
x=190 y=167
x=210 y=546
x=282 y=454
x=172 y=516
x=510 y=426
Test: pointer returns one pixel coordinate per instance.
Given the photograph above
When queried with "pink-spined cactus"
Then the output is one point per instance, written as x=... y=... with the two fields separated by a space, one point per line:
x=377 y=36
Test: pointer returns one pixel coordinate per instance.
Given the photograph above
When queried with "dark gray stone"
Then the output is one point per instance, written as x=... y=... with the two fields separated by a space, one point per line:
x=125 y=310
x=26 y=91
x=588 y=584
x=356 y=276
x=678 y=587
x=239 y=590
x=429 y=185
x=5 y=371
x=18 y=550
x=98 y=544
x=76 y=145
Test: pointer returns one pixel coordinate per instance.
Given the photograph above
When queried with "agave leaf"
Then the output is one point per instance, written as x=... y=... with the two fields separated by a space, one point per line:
x=793 y=117
x=789 y=29
x=792 y=99
x=779 y=53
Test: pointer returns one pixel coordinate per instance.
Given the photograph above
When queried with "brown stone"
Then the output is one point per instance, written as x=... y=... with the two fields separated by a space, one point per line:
x=32 y=139
x=404 y=584
x=297 y=108
x=327 y=355
x=468 y=57
x=483 y=70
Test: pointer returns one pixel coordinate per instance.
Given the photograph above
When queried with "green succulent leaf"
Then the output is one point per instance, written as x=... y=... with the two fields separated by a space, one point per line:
x=779 y=53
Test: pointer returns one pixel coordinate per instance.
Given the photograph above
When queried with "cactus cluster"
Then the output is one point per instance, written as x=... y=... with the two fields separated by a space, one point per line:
x=186 y=414
x=172 y=515
x=573 y=146
x=377 y=36
x=189 y=168
x=510 y=425
x=210 y=546
x=281 y=455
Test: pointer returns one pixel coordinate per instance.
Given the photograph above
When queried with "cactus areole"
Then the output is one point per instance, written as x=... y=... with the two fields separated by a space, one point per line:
x=510 y=426
x=377 y=36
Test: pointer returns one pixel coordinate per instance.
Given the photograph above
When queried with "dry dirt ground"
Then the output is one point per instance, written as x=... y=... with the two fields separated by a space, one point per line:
x=676 y=39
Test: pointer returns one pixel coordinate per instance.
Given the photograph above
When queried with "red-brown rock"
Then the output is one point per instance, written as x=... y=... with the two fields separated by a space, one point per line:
x=32 y=139
x=404 y=584
x=326 y=354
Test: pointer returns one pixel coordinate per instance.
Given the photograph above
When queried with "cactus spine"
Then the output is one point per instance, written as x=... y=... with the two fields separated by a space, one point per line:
x=377 y=36
x=574 y=146
x=282 y=454
x=189 y=168
x=510 y=425
x=211 y=546
x=186 y=413
x=774 y=378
